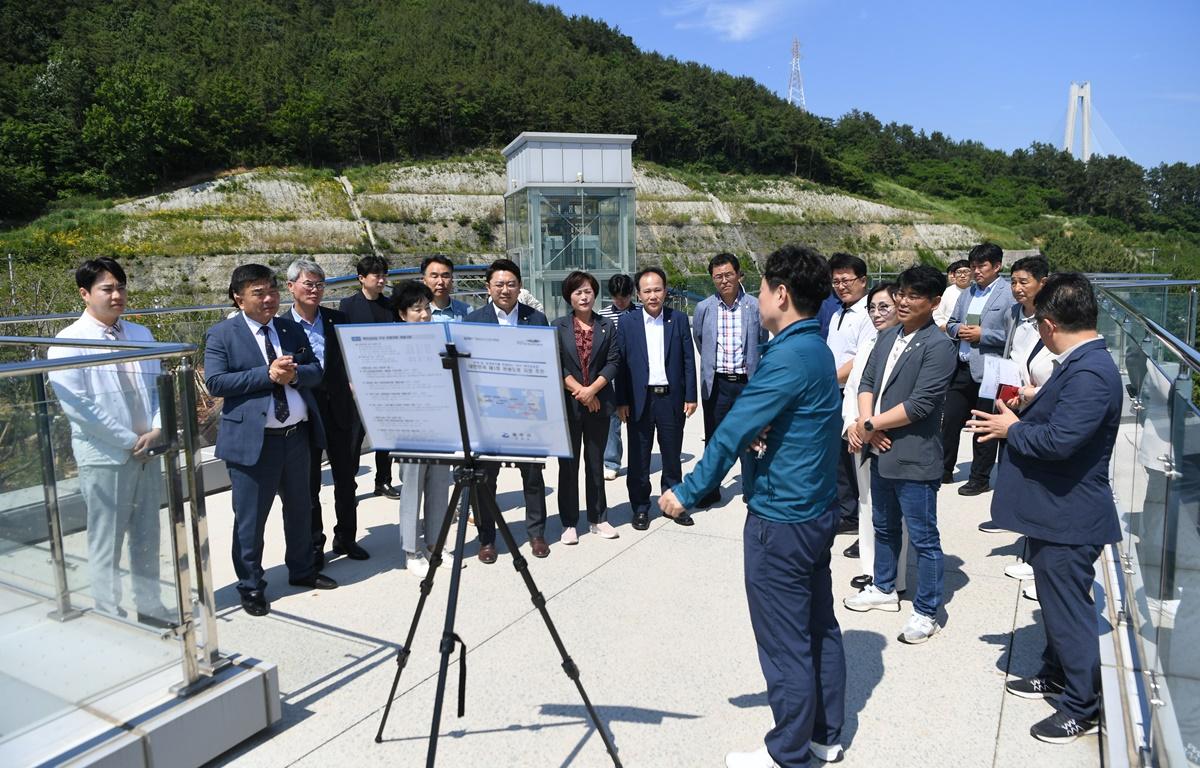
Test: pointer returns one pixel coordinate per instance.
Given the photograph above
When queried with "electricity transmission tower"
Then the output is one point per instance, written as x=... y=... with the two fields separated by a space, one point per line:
x=1080 y=99
x=795 y=95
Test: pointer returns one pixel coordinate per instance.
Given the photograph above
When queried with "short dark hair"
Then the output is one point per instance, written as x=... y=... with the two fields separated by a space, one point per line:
x=245 y=275
x=889 y=287
x=371 y=265
x=637 y=279
x=848 y=261
x=1037 y=266
x=620 y=284
x=989 y=252
x=436 y=258
x=724 y=258
x=957 y=265
x=502 y=265
x=1068 y=299
x=805 y=273
x=922 y=279
x=408 y=294
x=575 y=280
x=91 y=270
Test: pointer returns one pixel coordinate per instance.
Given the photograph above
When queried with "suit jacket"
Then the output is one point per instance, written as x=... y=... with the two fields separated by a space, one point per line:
x=335 y=384
x=94 y=398
x=526 y=315
x=604 y=360
x=919 y=380
x=1052 y=483
x=359 y=309
x=993 y=322
x=235 y=369
x=705 y=331
x=680 y=362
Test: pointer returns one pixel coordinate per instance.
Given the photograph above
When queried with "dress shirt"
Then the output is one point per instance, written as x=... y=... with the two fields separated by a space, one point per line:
x=454 y=312
x=898 y=347
x=507 y=318
x=656 y=352
x=1025 y=338
x=315 y=332
x=297 y=410
x=731 y=353
x=849 y=328
x=941 y=315
x=979 y=297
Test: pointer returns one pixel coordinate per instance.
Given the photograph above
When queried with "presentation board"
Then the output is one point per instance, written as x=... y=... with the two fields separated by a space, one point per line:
x=512 y=387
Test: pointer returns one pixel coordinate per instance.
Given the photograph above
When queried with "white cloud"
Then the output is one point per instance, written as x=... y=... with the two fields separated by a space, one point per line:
x=736 y=21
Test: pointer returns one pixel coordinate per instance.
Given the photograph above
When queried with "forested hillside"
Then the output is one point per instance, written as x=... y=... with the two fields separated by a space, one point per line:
x=117 y=97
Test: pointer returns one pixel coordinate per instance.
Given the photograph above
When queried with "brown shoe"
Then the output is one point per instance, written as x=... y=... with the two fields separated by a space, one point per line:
x=539 y=547
x=487 y=554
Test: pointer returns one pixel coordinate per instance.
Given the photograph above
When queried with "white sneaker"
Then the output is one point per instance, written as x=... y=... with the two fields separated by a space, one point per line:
x=758 y=759
x=610 y=474
x=1019 y=571
x=871 y=599
x=605 y=530
x=918 y=629
x=826 y=754
x=1029 y=592
x=417 y=564
x=569 y=536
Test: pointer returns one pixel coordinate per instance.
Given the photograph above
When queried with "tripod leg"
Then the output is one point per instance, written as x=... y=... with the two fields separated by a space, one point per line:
x=426 y=587
x=568 y=665
x=469 y=478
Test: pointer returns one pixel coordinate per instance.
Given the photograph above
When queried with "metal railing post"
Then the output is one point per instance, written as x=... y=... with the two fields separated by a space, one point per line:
x=179 y=542
x=58 y=558
x=210 y=658
x=1191 y=321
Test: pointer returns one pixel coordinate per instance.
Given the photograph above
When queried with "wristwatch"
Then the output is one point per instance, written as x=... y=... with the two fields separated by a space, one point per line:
x=867 y=425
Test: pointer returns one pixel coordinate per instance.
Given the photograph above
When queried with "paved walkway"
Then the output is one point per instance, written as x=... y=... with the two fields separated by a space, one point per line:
x=658 y=624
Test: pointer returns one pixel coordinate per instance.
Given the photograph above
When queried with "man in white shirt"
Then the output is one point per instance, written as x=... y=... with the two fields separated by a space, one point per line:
x=115 y=438
x=850 y=329
x=958 y=277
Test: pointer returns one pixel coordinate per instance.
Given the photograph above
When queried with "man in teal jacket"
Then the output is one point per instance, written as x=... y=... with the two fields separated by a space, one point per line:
x=789 y=417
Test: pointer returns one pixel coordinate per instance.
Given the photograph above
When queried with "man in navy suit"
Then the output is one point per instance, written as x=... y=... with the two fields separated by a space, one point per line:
x=504 y=285
x=306 y=283
x=1053 y=487
x=264 y=368
x=656 y=390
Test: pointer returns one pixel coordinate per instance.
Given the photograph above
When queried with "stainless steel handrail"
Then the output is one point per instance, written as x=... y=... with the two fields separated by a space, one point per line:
x=143 y=350
x=1150 y=283
x=1178 y=346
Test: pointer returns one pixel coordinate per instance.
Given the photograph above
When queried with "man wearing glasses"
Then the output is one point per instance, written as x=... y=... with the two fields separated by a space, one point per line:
x=728 y=332
x=958 y=275
x=306 y=282
x=850 y=329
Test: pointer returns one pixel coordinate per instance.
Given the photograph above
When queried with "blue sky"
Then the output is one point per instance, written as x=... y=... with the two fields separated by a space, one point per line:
x=997 y=72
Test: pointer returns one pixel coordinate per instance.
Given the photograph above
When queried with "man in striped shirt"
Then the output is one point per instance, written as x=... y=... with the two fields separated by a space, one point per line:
x=620 y=290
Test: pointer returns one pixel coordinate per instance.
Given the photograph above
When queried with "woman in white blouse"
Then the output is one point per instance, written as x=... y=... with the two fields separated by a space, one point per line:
x=881 y=306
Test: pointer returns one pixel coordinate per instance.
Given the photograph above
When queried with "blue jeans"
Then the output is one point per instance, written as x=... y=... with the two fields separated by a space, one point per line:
x=612 y=450
x=914 y=501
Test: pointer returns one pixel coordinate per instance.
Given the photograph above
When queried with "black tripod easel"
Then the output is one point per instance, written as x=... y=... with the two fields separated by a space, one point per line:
x=469 y=473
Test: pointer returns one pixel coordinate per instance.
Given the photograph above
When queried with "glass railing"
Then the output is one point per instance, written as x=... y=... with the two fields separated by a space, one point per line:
x=104 y=577
x=1156 y=479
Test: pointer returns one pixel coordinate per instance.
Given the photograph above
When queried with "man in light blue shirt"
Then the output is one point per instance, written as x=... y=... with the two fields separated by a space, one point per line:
x=437 y=272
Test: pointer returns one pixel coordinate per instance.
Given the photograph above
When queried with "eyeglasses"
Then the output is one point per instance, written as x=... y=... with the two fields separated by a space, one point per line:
x=725 y=278
x=964 y=272
x=908 y=298
x=847 y=281
x=311 y=286
x=880 y=308
x=513 y=285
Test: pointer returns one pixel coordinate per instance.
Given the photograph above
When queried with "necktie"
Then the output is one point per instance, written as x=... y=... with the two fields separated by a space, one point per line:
x=277 y=394
x=131 y=386
x=845 y=308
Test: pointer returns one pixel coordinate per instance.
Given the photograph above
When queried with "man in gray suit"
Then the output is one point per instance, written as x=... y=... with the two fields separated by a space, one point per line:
x=900 y=400
x=727 y=331
x=979 y=323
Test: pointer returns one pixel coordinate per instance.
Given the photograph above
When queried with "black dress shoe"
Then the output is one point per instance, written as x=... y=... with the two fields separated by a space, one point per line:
x=710 y=499
x=386 y=490
x=987 y=526
x=349 y=549
x=861 y=582
x=684 y=519
x=847 y=525
x=641 y=521
x=316 y=581
x=852 y=550
x=974 y=488
x=255 y=603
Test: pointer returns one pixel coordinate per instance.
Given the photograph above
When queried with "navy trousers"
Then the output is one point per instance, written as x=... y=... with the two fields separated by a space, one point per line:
x=282 y=468
x=663 y=416
x=487 y=509
x=790 y=592
x=1064 y=574
x=341 y=438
